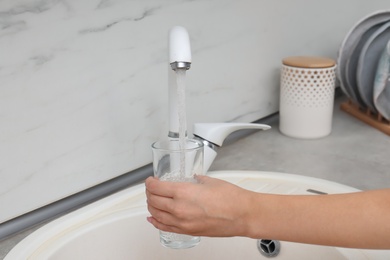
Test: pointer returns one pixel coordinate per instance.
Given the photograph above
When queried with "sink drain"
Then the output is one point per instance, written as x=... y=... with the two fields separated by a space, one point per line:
x=268 y=248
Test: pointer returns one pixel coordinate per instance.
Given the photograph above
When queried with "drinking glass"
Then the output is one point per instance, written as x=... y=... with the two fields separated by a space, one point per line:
x=178 y=161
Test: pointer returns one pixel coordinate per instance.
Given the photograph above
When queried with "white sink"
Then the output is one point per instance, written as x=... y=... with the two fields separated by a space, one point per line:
x=116 y=228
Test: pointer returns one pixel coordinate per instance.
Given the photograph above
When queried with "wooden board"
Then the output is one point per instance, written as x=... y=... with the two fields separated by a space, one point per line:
x=365 y=115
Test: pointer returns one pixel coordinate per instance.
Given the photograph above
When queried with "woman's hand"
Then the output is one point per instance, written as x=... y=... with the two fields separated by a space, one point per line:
x=211 y=207
x=219 y=209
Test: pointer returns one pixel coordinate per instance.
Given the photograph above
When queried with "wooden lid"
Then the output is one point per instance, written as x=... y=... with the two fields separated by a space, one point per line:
x=308 y=62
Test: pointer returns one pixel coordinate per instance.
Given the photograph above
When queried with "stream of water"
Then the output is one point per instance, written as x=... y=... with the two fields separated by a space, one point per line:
x=181 y=108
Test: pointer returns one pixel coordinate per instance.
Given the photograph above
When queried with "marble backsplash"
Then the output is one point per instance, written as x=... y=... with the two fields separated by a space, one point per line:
x=83 y=84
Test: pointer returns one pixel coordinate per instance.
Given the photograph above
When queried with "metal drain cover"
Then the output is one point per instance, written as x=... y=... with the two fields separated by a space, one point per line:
x=268 y=248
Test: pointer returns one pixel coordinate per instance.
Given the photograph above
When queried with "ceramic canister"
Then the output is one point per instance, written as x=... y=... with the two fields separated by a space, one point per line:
x=307 y=96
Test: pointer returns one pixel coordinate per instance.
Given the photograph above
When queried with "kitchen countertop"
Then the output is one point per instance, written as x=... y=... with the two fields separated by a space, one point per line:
x=354 y=154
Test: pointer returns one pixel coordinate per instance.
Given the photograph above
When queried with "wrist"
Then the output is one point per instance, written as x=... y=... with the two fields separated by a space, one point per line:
x=259 y=215
x=252 y=215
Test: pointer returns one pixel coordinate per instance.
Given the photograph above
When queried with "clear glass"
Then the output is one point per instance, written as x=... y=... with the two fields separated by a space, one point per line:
x=171 y=163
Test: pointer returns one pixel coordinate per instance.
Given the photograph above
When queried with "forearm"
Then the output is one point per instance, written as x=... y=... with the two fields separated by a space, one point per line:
x=217 y=208
x=359 y=220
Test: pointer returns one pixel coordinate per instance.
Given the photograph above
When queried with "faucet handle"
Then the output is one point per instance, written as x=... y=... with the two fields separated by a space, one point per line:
x=217 y=132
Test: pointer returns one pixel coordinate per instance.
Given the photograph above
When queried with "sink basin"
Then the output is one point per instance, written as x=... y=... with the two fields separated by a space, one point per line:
x=116 y=228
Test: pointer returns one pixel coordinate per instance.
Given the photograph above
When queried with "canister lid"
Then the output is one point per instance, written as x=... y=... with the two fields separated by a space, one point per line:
x=308 y=62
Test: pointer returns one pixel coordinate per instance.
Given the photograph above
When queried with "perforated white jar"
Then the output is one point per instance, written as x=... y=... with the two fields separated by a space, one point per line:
x=307 y=97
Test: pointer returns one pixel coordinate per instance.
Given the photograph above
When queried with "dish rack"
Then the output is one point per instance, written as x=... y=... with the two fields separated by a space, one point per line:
x=375 y=120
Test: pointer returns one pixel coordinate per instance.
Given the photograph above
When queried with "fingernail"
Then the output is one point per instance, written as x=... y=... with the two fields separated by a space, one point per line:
x=149 y=219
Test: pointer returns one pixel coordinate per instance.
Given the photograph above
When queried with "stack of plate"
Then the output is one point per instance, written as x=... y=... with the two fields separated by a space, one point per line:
x=364 y=63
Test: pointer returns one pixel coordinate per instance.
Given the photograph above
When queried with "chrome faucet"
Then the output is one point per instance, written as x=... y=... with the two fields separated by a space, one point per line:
x=211 y=134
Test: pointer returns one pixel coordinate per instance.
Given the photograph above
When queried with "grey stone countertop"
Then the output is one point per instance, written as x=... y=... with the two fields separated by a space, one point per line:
x=354 y=154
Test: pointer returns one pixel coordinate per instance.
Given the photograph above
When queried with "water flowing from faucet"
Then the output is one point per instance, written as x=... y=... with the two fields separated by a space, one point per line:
x=181 y=107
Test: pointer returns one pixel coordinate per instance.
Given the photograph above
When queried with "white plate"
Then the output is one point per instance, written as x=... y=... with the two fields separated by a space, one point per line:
x=352 y=62
x=368 y=63
x=382 y=84
x=351 y=40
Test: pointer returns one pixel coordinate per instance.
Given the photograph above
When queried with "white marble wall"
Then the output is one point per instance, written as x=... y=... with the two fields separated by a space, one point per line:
x=83 y=84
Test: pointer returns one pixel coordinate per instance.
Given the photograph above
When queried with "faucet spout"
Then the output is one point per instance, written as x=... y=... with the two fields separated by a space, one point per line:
x=180 y=62
x=179 y=48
